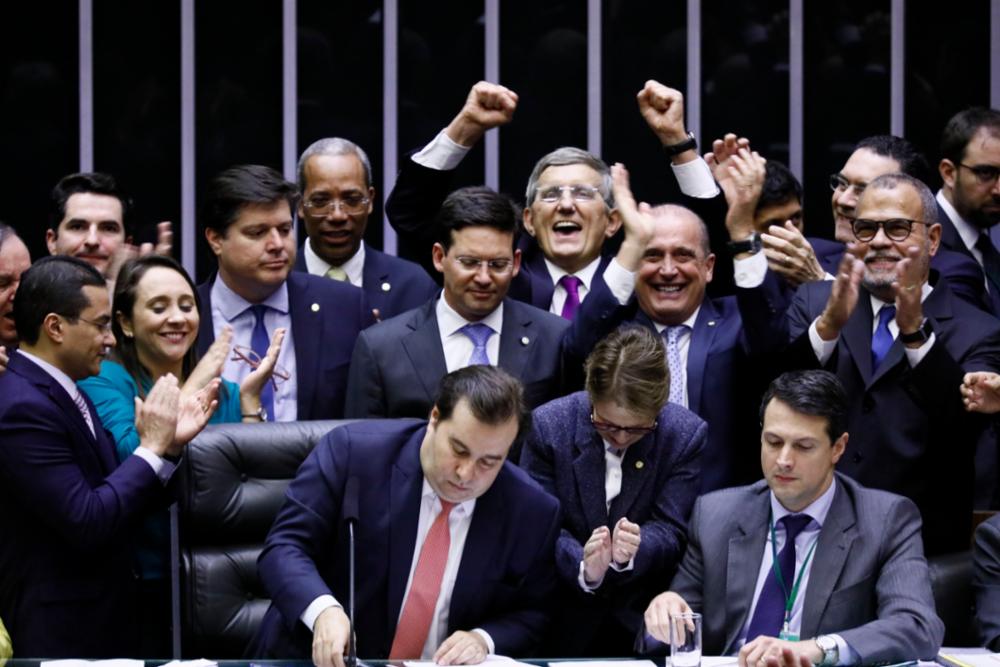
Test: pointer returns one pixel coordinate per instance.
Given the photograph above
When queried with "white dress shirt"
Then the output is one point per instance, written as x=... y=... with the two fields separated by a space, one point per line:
x=456 y=345
x=354 y=267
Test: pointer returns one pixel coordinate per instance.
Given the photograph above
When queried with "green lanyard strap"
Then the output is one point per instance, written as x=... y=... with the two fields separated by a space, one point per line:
x=789 y=597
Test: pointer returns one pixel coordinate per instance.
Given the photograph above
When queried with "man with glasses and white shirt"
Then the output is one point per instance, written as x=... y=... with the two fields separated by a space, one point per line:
x=398 y=363
x=335 y=179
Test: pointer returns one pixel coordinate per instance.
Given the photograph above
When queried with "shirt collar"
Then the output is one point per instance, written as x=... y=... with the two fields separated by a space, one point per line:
x=817 y=509
x=689 y=322
x=462 y=509
x=449 y=321
x=968 y=233
x=231 y=305
x=65 y=381
x=354 y=267
x=586 y=274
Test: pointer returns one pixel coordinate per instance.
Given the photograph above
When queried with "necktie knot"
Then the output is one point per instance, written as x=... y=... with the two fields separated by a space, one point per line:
x=336 y=273
x=885 y=315
x=572 y=286
x=258 y=310
x=882 y=339
x=794 y=524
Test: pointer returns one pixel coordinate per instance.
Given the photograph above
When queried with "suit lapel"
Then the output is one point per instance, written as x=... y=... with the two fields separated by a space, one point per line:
x=404 y=515
x=515 y=338
x=746 y=548
x=481 y=545
x=588 y=471
x=702 y=337
x=857 y=335
x=636 y=474
x=832 y=550
x=541 y=280
x=306 y=323
x=206 y=330
x=423 y=347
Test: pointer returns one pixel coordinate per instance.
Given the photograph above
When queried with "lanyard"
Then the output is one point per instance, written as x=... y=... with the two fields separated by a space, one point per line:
x=789 y=596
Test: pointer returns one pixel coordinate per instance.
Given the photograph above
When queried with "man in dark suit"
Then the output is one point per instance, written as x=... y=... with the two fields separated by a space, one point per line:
x=900 y=342
x=337 y=197
x=864 y=592
x=397 y=363
x=14 y=260
x=68 y=508
x=435 y=493
x=986 y=581
x=248 y=224
x=969 y=198
x=625 y=466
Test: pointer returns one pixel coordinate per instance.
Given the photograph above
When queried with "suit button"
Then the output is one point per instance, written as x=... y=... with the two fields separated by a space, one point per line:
x=244 y=477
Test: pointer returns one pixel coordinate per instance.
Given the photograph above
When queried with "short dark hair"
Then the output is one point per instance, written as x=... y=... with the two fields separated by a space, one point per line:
x=95 y=182
x=53 y=284
x=475 y=206
x=911 y=161
x=126 y=287
x=240 y=186
x=813 y=392
x=629 y=367
x=780 y=185
x=964 y=125
x=494 y=396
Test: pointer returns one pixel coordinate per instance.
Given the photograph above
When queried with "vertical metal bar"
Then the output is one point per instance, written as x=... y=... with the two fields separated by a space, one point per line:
x=175 y=583
x=692 y=96
x=995 y=54
x=390 y=101
x=86 y=53
x=897 y=91
x=289 y=90
x=594 y=27
x=187 y=138
x=796 y=88
x=492 y=62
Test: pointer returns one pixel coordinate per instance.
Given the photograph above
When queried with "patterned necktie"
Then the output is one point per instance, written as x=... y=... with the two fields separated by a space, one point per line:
x=674 y=363
x=259 y=342
x=425 y=587
x=81 y=404
x=337 y=273
x=479 y=334
x=572 y=304
x=882 y=340
x=769 y=615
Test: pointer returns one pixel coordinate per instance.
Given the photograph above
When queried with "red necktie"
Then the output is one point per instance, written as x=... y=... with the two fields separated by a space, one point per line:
x=418 y=609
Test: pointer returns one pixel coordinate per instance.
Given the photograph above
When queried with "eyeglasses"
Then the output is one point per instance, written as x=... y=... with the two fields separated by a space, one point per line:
x=350 y=205
x=986 y=174
x=498 y=266
x=608 y=427
x=252 y=359
x=105 y=327
x=576 y=192
x=897 y=229
x=840 y=184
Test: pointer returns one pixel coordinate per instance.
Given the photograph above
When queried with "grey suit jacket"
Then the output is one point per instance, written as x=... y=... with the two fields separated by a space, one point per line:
x=869 y=581
x=986 y=581
x=397 y=364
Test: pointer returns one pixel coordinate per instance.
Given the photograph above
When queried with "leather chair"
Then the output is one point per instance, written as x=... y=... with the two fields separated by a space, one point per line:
x=234 y=482
x=951 y=583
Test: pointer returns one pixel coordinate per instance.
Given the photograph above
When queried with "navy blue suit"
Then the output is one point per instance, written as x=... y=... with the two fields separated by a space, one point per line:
x=68 y=511
x=724 y=381
x=415 y=200
x=327 y=316
x=910 y=433
x=950 y=240
x=397 y=364
x=660 y=481
x=391 y=285
x=506 y=573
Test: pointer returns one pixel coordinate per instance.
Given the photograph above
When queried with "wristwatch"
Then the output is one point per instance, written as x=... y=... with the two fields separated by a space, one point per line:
x=688 y=144
x=921 y=335
x=752 y=244
x=261 y=414
x=831 y=654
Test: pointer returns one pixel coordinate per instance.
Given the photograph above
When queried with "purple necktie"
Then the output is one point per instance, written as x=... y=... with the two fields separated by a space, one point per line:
x=572 y=304
x=478 y=333
x=769 y=615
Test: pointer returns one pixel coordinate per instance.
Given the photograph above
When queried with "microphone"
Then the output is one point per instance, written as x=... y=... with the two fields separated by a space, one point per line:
x=349 y=511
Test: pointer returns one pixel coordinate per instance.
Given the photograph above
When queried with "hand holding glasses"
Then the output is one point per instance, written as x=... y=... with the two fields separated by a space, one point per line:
x=263 y=369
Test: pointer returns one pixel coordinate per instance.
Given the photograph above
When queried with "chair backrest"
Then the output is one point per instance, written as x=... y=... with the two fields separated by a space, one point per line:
x=951 y=583
x=233 y=484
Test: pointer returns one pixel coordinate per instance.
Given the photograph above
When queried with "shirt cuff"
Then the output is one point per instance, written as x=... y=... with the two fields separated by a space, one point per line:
x=620 y=281
x=317 y=607
x=587 y=588
x=917 y=355
x=441 y=153
x=630 y=565
x=749 y=272
x=162 y=468
x=490 y=646
x=845 y=654
x=822 y=348
x=695 y=179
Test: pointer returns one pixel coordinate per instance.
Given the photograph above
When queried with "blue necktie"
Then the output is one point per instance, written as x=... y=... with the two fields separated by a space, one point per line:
x=674 y=363
x=259 y=342
x=882 y=340
x=769 y=615
x=478 y=334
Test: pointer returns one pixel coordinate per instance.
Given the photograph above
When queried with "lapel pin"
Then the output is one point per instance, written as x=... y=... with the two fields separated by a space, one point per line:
x=639 y=465
x=525 y=340
x=711 y=323
x=314 y=307
x=386 y=287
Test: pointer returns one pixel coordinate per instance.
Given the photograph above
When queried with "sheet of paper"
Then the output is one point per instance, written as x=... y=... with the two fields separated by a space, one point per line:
x=200 y=662
x=120 y=662
x=974 y=658
x=607 y=663
x=493 y=660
